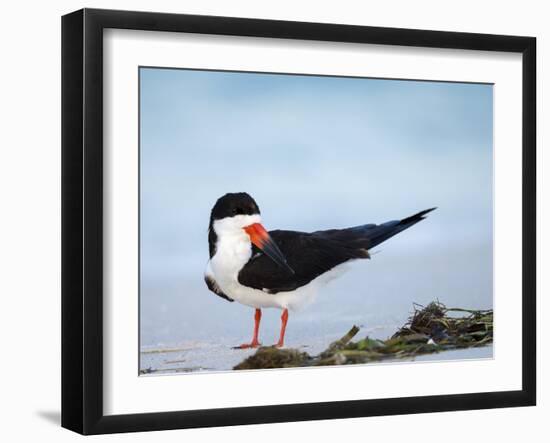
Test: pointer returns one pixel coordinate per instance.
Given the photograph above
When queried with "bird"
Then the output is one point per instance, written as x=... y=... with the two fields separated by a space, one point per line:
x=280 y=268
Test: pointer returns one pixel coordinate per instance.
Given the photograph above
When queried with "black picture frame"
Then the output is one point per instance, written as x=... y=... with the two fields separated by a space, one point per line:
x=82 y=220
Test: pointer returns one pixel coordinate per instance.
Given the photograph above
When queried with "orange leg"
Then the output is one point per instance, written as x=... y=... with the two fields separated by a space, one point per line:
x=284 y=320
x=255 y=343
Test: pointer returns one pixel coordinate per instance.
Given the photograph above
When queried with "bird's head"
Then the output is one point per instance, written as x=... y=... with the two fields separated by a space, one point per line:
x=236 y=214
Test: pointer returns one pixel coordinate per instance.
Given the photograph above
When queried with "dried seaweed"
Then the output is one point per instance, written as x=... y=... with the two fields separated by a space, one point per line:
x=431 y=328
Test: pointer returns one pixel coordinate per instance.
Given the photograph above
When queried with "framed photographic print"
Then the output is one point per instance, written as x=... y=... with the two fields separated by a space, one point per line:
x=268 y=221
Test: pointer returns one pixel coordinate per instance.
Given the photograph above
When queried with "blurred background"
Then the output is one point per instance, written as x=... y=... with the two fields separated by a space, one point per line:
x=316 y=153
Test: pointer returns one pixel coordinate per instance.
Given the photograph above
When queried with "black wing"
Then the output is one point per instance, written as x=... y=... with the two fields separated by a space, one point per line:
x=309 y=255
x=313 y=254
x=213 y=286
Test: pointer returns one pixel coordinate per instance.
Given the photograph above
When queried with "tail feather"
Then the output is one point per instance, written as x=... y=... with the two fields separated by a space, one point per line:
x=418 y=216
x=380 y=233
x=366 y=237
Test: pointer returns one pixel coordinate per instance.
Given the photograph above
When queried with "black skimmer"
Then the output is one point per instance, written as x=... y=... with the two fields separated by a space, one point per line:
x=280 y=269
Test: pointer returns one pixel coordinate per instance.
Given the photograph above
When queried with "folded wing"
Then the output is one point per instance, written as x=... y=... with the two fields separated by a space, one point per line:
x=313 y=254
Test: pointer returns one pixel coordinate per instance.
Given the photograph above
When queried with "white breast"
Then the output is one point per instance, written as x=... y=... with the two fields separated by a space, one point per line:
x=233 y=250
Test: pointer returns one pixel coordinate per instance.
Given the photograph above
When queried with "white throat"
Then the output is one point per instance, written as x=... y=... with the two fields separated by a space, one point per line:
x=233 y=249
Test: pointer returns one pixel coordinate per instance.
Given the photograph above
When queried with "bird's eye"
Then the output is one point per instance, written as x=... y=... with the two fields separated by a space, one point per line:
x=238 y=211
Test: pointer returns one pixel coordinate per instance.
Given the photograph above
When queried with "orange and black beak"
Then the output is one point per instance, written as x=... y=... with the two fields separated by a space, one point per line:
x=261 y=239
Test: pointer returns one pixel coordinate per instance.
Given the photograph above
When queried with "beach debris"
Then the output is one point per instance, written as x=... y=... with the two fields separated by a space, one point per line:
x=272 y=357
x=447 y=329
x=432 y=328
